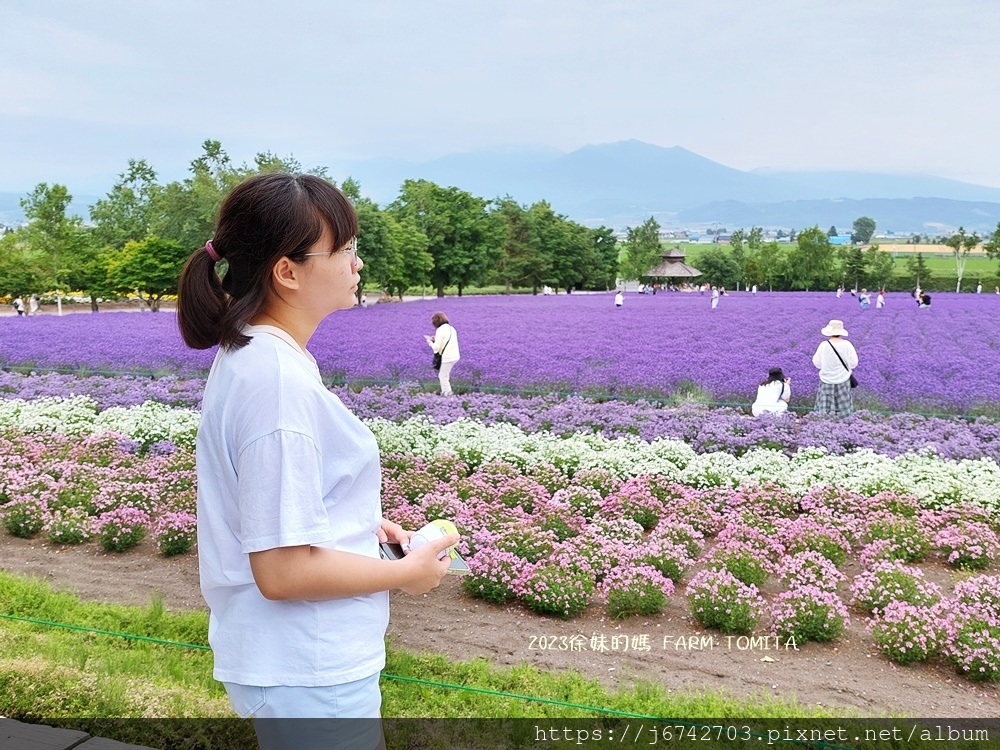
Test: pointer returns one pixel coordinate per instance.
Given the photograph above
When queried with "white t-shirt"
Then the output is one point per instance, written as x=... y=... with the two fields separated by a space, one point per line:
x=771 y=397
x=282 y=462
x=829 y=366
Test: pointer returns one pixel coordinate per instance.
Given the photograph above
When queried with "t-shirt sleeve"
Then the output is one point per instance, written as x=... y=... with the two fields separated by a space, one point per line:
x=279 y=493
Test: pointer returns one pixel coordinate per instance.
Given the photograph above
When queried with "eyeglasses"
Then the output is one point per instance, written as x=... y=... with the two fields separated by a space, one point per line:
x=352 y=248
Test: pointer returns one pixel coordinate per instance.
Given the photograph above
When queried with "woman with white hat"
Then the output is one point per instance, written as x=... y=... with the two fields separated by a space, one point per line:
x=835 y=359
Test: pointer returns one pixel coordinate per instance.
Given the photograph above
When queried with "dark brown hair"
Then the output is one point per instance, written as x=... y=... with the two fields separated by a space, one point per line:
x=263 y=219
x=774 y=375
x=438 y=319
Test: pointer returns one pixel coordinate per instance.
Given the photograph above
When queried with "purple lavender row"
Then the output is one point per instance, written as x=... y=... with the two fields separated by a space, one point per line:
x=942 y=358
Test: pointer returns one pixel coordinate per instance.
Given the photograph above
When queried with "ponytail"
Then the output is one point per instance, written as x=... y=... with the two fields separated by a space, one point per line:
x=201 y=302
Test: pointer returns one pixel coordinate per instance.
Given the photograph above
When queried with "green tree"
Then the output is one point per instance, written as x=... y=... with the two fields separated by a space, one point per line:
x=641 y=249
x=49 y=233
x=457 y=228
x=855 y=268
x=832 y=232
x=864 y=228
x=718 y=267
x=992 y=245
x=919 y=272
x=880 y=266
x=522 y=261
x=811 y=261
x=18 y=269
x=185 y=212
x=127 y=211
x=771 y=260
x=606 y=247
x=414 y=264
x=149 y=266
x=961 y=245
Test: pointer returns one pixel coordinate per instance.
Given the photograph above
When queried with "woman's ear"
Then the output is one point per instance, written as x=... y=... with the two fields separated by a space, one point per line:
x=286 y=274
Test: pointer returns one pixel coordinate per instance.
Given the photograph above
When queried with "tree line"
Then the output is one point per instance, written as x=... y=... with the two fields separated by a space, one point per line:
x=142 y=232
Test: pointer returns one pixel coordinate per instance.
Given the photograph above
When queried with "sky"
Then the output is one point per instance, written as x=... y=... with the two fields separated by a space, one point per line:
x=872 y=85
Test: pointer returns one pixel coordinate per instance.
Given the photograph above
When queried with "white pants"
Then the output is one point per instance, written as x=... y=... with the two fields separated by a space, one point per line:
x=444 y=377
x=335 y=717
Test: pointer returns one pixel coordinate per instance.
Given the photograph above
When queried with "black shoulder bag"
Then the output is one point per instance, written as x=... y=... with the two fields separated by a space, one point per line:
x=437 y=355
x=854 y=380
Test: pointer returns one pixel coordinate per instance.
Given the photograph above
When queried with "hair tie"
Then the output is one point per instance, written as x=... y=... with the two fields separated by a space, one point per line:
x=211 y=252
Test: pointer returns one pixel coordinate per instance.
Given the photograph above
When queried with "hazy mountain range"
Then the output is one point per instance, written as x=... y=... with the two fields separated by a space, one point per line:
x=622 y=184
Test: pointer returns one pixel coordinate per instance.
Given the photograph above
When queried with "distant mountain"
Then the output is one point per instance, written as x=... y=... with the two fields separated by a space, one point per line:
x=932 y=215
x=622 y=184
x=860 y=185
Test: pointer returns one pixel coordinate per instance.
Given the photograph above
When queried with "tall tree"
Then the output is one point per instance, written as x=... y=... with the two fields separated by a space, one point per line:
x=864 y=228
x=832 y=232
x=961 y=245
x=772 y=263
x=457 y=229
x=606 y=246
x=718 y=267
x=49 y=233
x=880 y=266
x=522 y=260
x=811 y=261
x=126 y=213
x=919 y=271
x=855 y=267
x=641 y=249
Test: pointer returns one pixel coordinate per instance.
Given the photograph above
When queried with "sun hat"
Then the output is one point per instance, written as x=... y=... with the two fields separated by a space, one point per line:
x=834 y=328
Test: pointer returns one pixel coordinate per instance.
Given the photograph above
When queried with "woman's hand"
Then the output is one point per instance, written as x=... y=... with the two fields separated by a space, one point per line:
x=393 y=532
x=425 y=570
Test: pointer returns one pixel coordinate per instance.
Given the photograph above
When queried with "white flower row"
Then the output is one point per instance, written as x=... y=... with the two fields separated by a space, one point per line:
x=936 y=481
x=148 y=423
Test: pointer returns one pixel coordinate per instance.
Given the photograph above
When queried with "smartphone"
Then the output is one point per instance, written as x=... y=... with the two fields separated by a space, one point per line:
x=391 y=551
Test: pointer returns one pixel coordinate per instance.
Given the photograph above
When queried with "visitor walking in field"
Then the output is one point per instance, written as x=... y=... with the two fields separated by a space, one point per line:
x=773 y=393
x=19 y=305
x=880 y=300
x=33 y=305
x=289 y=507
x=835 y=358
x=444 y=342
x=715 y=297
x=619 y=298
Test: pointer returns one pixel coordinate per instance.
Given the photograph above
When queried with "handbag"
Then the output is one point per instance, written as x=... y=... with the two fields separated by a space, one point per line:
x=437 y=355
x=853 y=380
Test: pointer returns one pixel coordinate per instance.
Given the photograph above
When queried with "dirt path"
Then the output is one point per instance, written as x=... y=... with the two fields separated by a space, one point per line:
x=848 y=677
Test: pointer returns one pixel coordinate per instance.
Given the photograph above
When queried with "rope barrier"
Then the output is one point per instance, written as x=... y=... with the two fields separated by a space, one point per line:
x=428 y=385
x=430 y=683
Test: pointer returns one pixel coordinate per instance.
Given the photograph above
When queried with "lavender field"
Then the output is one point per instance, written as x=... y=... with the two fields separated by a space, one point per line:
x=943 y=358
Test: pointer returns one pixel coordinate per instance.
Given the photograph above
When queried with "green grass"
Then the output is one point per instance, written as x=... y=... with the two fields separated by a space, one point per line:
x=48 y=671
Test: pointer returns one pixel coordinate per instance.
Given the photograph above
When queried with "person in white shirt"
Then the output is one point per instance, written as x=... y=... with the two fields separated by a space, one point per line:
x=715 y=297
x=289 y=507
x=835 y=358
x=444 y=342
x=619 y=299
x=880 y=300
x=773 y=393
